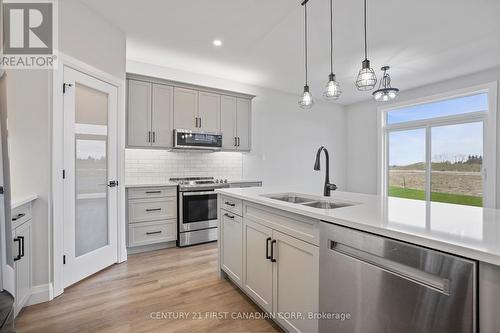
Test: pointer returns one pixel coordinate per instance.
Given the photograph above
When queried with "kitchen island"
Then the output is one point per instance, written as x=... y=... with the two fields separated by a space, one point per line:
x=289 y=224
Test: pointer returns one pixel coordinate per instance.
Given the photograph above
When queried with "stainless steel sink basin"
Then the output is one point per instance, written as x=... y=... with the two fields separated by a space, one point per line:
x=327 y=204
x=310 y=201
x=291 y=197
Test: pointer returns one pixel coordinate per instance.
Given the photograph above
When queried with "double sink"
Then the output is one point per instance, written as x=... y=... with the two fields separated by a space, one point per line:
x=309 y=201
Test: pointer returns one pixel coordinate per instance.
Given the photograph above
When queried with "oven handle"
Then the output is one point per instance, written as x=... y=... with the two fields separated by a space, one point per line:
x=189 y=194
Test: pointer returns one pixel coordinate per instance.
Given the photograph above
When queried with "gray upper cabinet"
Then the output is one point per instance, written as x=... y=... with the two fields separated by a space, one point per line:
x=156 y=107
x=243 y=123
x=228 y=122
x=185 y=109
x=235 y=123
x=139 y=114
x=209 y=112
x=162 y=116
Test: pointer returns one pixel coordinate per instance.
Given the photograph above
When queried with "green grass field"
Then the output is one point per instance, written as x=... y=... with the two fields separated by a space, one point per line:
x=458 y=199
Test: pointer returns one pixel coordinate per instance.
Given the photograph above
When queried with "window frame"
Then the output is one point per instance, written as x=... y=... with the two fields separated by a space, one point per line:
x=489 y=120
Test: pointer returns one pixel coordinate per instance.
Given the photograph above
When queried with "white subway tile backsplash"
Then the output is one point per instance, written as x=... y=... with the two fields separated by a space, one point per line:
x=148 y=165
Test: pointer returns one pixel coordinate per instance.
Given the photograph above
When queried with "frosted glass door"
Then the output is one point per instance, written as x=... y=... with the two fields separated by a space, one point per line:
x=91 y=160
x=90 y=163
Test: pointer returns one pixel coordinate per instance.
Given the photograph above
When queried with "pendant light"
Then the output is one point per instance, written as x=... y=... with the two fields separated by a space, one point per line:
x=305 y=100
x=332 y=89
x=366 y=77
x=385 y=92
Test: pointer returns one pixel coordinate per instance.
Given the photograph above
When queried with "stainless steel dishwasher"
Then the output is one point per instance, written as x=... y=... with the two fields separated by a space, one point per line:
x=372 y=284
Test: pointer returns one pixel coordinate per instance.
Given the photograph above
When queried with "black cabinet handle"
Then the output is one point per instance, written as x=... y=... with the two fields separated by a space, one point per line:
x=152 y=192
x=272 y=250
x=267 y=248
x=17 y=239
x=154 y=136
x=229 y=204
x=18 y=216
x=153 y=209
x=22 y=245
x=149 y=136
x=230 y=216
x=153 y=232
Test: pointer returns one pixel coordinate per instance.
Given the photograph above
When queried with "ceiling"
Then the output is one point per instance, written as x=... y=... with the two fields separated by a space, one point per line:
x=424 y=41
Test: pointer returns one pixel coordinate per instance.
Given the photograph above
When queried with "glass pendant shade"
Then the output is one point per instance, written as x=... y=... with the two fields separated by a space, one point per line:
x=332 y=89
x=366 y=77
x=306 y=100
x=385 y=92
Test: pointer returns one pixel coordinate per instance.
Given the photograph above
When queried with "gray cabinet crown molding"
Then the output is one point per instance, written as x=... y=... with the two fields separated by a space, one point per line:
x=149 y=79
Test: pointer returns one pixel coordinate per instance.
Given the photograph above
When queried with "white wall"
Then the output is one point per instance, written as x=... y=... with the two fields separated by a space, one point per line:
x=362 y=130
x=82 y=35
x=284 y=138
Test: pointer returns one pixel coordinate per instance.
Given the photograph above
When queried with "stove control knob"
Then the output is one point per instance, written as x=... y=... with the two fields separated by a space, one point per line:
x=217 y=181
x=225 y=180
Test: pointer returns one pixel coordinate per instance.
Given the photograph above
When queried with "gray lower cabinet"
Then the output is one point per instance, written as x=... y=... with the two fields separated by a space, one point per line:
x=152 y=215
x=273 y=256
x=22 y=235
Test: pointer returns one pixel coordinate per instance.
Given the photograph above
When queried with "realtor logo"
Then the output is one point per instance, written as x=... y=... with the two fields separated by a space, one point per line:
x=29 y=34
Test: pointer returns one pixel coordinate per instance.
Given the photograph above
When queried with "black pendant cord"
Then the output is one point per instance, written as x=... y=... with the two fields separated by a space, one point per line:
x=366 y=47
x=305 y=39
x=331 y=36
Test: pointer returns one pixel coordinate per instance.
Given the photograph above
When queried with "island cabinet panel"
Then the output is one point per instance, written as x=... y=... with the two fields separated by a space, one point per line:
x=232 y=251
x=295 y=282
x=258 y=267
x=280 y=261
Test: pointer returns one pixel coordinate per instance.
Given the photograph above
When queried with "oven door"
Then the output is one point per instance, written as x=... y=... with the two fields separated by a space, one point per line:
x=198 y=210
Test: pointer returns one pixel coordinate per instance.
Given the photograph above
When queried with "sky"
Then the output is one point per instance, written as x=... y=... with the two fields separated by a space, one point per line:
x=447 y=142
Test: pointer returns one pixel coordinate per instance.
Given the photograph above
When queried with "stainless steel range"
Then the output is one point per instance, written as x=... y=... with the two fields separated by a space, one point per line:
x=197 y=209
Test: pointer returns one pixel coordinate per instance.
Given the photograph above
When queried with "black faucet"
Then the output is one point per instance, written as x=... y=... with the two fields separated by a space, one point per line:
x=328 y=187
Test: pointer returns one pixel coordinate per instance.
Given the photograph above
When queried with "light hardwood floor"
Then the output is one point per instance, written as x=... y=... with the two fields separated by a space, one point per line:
x=124 y=297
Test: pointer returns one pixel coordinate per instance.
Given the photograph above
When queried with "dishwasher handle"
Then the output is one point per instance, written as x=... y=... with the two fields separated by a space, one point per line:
x=423 y=278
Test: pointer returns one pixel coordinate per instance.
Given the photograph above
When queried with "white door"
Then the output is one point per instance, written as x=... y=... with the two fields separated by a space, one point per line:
x=258 y=268
x=90 y=154
x=228 y=122
x=185 y=109
x=209 y=112
x=295 y=282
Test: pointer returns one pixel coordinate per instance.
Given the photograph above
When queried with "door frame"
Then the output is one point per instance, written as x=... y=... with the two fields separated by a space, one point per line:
x=57 y=232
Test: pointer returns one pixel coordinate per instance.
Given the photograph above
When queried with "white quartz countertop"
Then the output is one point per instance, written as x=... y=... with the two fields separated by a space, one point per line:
x=18 y=201
x=471 y=232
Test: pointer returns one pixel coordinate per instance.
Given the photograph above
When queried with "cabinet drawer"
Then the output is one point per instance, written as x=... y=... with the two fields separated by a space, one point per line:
x=232 y=205
x=152 y=192
x=20 y=215
x=152 y=232
x=144 y=210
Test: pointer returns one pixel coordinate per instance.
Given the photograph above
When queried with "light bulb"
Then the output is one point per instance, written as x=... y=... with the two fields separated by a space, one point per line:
x=332 y=88
x=306 y=100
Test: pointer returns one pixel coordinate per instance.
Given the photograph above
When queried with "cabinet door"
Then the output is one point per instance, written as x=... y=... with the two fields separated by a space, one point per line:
x=185 y=108
x=22 y=267
x=209 y=112
x=162 y=116
x=258 y=270
x=228 y=122
x=139 y=114
x=232 y=246
x=243 y=119
x=295 y=282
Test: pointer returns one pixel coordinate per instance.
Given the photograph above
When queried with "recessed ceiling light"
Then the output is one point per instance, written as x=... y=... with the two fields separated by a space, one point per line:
x=217 y=42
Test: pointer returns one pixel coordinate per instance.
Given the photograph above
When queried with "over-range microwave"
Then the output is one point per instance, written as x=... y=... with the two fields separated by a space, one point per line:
x=187 y=139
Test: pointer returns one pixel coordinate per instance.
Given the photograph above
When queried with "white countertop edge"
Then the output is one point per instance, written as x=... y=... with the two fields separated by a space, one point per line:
x=17 y=202
x=426 y=241
x=167 y=184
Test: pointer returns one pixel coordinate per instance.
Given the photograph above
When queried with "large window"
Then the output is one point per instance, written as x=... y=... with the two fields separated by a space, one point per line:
x=441 y=149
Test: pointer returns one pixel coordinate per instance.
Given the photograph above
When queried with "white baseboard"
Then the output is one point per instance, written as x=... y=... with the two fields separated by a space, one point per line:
x=41 y=293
